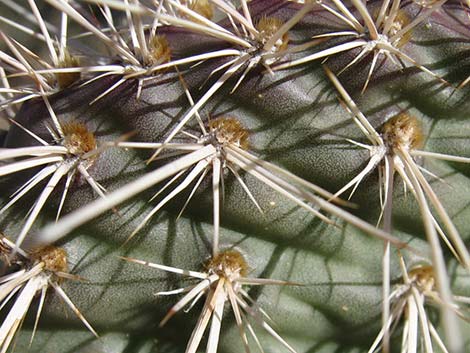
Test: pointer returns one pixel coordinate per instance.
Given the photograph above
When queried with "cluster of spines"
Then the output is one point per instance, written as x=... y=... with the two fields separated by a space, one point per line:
x=381 y=30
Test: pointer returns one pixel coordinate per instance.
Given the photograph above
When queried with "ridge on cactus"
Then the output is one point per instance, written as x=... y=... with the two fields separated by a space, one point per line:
x=72 y=150
x=401 y=139
x=229 y=141
x=217 y=132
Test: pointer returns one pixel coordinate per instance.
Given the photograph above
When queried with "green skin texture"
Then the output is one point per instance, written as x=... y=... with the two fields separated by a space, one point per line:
x=294 y=121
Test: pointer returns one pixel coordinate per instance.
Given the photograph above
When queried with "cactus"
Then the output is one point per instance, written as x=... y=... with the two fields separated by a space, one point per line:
x=286 y=176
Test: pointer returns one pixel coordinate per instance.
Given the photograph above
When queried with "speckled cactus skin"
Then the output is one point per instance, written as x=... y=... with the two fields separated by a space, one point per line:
x=295 y=120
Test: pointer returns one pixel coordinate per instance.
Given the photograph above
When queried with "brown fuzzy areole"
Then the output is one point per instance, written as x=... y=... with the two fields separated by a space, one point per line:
x=54 y=258
x=228 y=130
x=77 y=138
x=228 y=263
x=267 y=26
x=65 y=80
x=403 y=131
x=203 y=8
x=159 y=50
x=423 y=277
x=401 y=21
